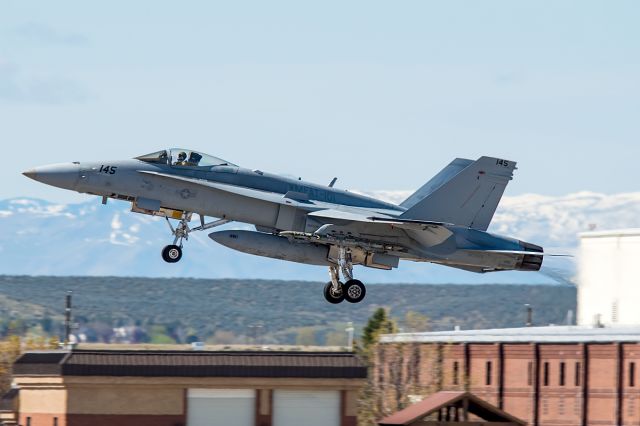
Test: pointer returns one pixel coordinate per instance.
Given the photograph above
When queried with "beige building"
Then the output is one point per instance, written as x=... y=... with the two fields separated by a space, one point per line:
x=187 y=388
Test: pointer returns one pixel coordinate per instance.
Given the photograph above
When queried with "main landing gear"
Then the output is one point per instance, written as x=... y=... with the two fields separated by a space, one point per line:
x=353 y=291
x=173 y=252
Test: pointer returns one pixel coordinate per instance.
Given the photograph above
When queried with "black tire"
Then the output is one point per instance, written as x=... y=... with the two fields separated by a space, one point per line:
x=172 y=253
x=332 y=297
x=354 y=291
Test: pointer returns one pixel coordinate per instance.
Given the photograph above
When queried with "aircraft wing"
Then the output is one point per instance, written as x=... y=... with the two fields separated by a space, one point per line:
x=367 y=224
x=270 y=197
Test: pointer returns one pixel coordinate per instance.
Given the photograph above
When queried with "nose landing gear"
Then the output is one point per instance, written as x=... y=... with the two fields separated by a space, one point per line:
x=172 y=253
x=353 y=291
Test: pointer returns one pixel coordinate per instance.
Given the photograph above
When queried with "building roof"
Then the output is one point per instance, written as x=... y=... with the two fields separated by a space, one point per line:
x=343 y=365
x=95 y=346
x=435 y=402
x=613 y=233
x=549 y=334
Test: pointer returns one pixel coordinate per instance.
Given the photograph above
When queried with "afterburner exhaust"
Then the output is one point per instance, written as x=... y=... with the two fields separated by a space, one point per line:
x=531 y=261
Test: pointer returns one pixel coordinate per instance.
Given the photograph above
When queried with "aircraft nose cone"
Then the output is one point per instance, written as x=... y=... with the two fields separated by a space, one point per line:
x=31 y=173
x=65 y=175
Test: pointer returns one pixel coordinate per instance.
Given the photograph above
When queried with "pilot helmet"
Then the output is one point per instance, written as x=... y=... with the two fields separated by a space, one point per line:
x=182 y=156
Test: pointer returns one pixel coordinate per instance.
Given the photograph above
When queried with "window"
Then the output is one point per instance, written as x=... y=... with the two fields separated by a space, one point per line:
x=562 y=370
x=55 y=421
x=456 y=369
x=632 y=374
x=184 y=158
x=488 y=376
x=545 y=374
x=28 y=421
x=188 y=158
x=577 y=377
x=530 y=373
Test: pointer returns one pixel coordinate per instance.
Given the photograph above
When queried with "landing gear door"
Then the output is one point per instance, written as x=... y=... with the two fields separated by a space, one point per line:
x=290 y=219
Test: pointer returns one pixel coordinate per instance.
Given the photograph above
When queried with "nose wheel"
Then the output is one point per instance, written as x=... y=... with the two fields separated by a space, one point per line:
x=172 y=253
x=353 y=291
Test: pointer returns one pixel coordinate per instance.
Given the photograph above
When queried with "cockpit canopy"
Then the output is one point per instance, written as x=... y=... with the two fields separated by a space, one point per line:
x=180 y=157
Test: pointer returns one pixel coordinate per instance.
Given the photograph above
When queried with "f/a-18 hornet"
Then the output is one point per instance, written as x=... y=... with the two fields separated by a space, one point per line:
x=443 y=222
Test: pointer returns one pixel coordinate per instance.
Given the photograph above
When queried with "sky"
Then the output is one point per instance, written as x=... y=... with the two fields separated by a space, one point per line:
x=380 y=94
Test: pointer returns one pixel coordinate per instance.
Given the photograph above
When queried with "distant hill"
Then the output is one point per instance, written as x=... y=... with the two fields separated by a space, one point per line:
x=43 y=238
x=236 y=311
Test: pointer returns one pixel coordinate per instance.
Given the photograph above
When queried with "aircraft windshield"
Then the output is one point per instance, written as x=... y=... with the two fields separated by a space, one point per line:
x=155 y=157
x=184 y=158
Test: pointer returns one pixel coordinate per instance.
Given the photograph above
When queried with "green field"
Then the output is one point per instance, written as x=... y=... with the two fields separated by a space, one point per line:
x=259 y=311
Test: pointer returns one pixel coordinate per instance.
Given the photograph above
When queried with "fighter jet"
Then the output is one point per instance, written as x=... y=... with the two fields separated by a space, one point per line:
x=443 y=222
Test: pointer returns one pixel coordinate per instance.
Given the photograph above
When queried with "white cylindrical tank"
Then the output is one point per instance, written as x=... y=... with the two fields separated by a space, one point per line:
x=609 y=277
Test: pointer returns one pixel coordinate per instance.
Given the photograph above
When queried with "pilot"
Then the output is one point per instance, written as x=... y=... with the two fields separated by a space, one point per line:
x=182 y=159
x=194 y=159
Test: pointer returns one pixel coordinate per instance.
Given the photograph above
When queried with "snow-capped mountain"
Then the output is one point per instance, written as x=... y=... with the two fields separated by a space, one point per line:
x=43 y=238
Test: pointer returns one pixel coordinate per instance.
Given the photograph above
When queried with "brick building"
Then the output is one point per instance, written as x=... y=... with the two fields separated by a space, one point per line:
x=192 y=388
x=569 y=375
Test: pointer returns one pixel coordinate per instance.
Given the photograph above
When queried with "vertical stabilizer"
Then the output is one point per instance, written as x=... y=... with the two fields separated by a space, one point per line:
x=468 y=198
x=452 y=169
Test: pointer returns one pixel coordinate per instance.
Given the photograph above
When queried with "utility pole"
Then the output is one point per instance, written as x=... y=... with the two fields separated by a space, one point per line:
x=256 y=332
x=67 y=321
x=529 y=320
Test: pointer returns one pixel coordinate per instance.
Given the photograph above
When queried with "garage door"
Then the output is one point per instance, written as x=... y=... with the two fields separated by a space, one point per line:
x=307 y=408
x=221 y=407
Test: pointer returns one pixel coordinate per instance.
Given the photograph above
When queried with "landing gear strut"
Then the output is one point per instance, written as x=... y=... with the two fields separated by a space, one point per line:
x=173 y=252
x=353 y=291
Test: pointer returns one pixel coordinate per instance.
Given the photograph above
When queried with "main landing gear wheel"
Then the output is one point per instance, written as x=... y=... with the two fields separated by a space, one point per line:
x=172 y=253
x=332 y=296
x=354 y=291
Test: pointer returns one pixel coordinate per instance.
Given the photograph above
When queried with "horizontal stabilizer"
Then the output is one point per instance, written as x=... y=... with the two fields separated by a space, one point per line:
x=397 y=220
x=537 y=253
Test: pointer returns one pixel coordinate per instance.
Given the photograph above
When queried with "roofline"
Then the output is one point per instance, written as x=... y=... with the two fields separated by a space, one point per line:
x=455 y=397
x=549 y=334
x=195 y=352
x=628 y=232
